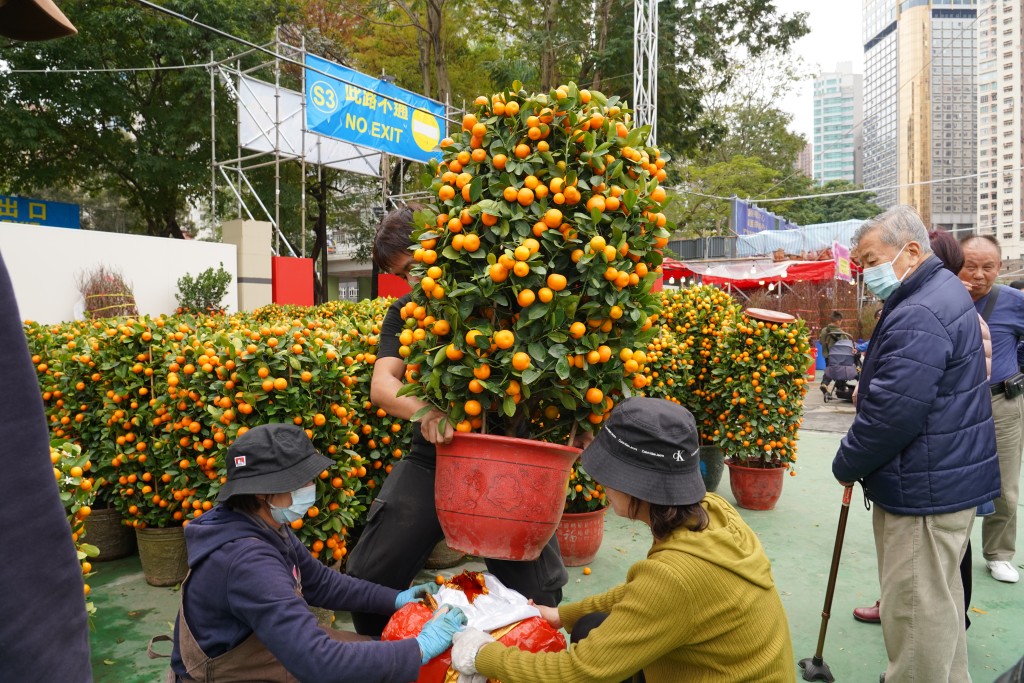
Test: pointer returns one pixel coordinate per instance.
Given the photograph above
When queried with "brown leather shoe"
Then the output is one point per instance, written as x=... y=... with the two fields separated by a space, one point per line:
x=869 y=615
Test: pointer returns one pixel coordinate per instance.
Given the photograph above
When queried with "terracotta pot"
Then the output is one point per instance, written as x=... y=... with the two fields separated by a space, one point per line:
x=755 y=488
x=500 y=497
x=580 y=535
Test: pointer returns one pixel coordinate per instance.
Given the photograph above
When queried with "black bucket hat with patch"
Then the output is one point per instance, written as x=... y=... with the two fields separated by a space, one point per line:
x=271 y=458
x=649 y=449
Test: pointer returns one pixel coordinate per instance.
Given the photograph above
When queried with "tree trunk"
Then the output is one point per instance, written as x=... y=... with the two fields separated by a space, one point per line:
x=173 y=229
x=318 y=190
x=548 y=60
x=424 y=47
x=435 y=31
x=602 y=40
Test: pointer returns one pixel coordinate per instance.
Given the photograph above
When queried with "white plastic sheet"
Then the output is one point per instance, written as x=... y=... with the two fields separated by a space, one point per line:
x=500 y=607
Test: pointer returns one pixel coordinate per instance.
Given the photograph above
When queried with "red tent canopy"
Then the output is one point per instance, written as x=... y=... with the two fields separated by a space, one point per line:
x=750 y=274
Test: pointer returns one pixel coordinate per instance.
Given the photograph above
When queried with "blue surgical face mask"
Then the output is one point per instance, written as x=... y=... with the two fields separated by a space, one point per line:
x=882 y=280
x=302 y=500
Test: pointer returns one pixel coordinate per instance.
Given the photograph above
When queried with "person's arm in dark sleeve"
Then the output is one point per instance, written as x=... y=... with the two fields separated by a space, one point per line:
x=910 y=359
x=389 y=377
x=261 y=594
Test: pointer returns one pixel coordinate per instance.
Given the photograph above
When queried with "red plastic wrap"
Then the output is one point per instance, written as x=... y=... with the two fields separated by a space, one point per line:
x=532 y=635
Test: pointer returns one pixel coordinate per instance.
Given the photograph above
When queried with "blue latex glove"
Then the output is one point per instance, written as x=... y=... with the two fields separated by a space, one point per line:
x=436 y=636
x=415 y=593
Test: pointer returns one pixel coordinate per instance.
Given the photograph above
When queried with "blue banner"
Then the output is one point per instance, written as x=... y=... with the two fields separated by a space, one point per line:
x=39 y=212
x=747 y=219
x=350 y=107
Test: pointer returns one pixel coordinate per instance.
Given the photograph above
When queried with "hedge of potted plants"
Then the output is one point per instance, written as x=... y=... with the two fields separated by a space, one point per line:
x=153 y=403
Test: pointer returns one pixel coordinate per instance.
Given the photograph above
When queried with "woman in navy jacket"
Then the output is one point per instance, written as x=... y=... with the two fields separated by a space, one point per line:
x=245 y=605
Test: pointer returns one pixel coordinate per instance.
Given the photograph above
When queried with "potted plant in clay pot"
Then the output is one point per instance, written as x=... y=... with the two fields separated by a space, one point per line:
x=535 y=261
x=681 y=357
x=758 y=384
x=581 y=528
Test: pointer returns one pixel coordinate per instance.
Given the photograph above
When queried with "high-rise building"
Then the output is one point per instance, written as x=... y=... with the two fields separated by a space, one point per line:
x=1000 y=129
x=919 y=108
x=838 y=109
x=805 y=160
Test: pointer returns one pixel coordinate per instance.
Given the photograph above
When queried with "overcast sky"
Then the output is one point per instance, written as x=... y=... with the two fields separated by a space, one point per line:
x=835 y=36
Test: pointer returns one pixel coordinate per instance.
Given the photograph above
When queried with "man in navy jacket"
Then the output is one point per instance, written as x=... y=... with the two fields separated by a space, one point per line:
x=922 y=444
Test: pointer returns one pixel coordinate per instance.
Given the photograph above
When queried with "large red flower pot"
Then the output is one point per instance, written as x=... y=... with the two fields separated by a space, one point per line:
x=500 y=497
x=755 y=488
x=580 y=535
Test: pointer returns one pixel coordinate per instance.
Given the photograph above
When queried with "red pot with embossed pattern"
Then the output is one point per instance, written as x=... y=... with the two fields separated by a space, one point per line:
x=580 y=535
x=500 y=497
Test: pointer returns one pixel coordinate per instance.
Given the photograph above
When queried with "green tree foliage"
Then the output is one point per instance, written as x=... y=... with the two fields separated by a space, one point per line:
x=141 y=135
x=590 y=42
x=836 y=208
x=702 y=214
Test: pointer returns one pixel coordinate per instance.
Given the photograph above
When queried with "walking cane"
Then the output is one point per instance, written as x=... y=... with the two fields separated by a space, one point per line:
x=815 y=668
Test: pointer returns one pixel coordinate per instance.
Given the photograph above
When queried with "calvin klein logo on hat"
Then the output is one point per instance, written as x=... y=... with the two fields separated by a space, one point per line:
x=678 y=456
x=649 y=449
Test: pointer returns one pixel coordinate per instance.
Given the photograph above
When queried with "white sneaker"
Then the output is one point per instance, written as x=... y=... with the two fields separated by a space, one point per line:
x=1004 y=571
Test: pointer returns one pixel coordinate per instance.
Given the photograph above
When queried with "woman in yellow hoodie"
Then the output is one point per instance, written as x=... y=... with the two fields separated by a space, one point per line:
x=702 y=606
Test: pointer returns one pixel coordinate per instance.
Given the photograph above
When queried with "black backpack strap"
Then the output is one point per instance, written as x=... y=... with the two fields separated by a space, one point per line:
x=991 y=303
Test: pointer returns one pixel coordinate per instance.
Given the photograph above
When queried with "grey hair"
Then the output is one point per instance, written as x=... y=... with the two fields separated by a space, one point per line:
x=896 y=227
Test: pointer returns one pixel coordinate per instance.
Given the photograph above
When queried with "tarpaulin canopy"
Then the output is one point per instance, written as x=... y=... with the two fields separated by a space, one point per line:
x=750 y=274
x=807 y=238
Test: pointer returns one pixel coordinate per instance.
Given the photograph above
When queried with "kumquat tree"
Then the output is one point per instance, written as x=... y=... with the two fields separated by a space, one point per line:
x=535 y=263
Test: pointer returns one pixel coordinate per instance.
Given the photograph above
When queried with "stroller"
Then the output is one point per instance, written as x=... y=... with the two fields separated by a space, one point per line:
x=841 y=371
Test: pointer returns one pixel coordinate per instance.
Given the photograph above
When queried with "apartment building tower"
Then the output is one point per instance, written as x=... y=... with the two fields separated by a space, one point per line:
x=838 y=110
x=920 y=109
x=1000 y=129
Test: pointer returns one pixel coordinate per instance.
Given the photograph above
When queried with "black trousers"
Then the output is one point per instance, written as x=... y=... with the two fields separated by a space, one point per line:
x=588 y=623
x=401 y=531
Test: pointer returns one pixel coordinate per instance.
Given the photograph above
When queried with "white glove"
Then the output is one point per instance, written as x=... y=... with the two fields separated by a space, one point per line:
x=465 y=646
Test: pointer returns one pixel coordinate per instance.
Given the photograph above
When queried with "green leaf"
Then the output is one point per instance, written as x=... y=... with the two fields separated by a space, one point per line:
x=531 y=374
x=536 y=311
x=508 y=406
x=476 y=188
x=562 y=368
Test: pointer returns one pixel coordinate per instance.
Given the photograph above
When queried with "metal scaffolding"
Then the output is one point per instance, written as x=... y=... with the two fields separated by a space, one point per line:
x=645 y=65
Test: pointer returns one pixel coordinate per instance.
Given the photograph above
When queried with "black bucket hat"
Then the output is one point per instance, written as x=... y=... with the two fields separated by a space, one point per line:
x=648 y=449
x=271 y=458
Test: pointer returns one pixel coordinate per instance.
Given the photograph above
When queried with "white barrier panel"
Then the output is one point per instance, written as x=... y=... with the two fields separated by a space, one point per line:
x=45 y=263
x=256 y=114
